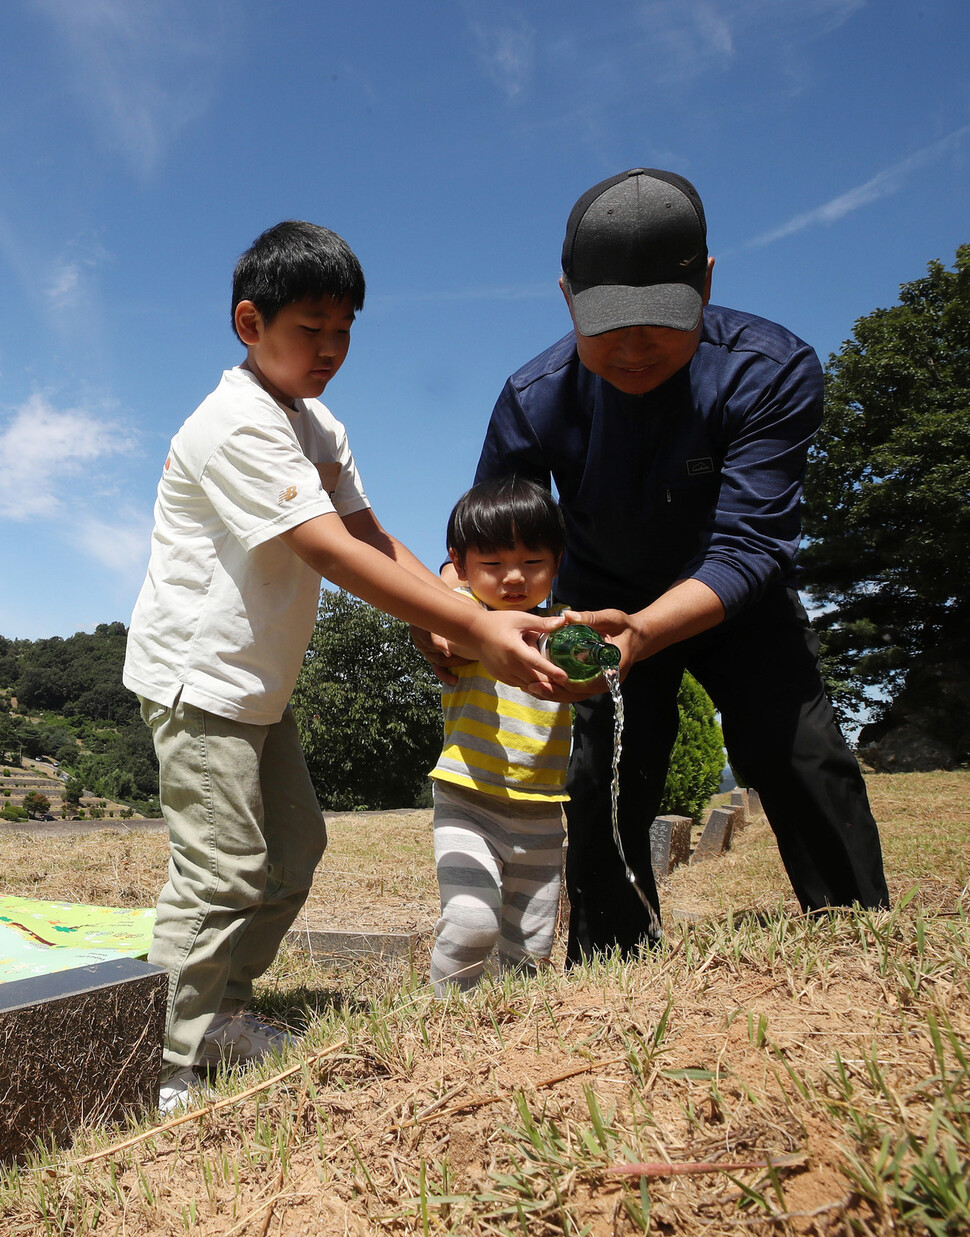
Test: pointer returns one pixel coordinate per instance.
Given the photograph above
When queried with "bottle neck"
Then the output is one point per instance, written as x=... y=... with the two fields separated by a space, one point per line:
x=605 y=655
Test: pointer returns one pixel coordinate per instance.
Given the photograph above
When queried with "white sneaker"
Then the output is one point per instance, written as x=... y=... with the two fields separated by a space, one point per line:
x=241 y=1038
x=182 y=1089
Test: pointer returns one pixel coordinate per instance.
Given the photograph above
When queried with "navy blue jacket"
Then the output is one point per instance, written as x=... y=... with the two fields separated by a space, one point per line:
x=700 y=478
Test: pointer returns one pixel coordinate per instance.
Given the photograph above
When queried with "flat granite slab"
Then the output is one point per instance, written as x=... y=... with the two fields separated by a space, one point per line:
x=78 y=1046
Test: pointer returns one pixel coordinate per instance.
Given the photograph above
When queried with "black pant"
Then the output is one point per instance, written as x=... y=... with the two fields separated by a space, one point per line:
x=761 y=670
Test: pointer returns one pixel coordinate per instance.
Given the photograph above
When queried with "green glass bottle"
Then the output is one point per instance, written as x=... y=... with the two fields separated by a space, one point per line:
x=580 y=651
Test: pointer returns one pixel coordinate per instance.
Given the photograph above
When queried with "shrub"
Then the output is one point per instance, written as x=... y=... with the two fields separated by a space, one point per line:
x=697 y=759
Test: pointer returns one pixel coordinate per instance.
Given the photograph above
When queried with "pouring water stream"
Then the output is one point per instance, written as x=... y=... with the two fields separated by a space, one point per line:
x=613 y=682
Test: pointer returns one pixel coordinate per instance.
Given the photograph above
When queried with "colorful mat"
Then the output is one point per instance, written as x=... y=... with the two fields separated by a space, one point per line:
x=38 y=938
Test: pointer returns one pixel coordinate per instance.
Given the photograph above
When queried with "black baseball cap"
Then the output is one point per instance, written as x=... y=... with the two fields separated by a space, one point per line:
x=635 y=253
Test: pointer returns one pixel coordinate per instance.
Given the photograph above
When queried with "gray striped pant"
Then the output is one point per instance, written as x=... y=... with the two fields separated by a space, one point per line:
x=499 y=864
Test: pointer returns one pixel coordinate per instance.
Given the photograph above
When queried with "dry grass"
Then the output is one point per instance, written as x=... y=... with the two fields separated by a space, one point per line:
x=378 y=872
x=762 y=1072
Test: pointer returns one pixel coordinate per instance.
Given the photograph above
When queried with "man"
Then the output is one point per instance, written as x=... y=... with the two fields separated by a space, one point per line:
x=676 y=434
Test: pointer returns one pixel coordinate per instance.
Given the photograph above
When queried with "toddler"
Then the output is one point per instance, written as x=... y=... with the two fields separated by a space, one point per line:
x=499 y=781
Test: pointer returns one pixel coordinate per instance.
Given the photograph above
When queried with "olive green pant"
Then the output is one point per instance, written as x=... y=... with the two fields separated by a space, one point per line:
x=246 y=834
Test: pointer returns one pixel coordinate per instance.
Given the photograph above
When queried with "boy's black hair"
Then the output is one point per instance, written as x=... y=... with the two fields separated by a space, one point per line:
x=294 y=260
x=494 y=515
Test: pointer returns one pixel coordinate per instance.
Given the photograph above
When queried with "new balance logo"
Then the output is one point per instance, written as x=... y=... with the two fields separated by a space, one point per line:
x=287 y=495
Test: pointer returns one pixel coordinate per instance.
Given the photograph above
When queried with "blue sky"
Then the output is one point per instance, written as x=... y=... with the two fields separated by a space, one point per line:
x=145 y=143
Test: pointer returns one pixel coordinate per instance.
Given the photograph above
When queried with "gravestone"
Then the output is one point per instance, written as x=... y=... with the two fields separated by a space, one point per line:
x=716 y=838
x=78 y=1047
x=669 y=844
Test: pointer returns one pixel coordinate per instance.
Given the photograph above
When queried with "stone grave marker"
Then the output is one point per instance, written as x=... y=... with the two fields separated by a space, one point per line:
x=669 y=844
x=716 y=838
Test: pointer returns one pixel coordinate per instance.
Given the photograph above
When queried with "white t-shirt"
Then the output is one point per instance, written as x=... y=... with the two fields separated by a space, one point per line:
x=227 y=610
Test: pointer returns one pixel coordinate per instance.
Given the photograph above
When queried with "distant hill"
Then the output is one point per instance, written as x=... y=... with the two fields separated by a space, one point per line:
x=64 y=699
x=35 y=778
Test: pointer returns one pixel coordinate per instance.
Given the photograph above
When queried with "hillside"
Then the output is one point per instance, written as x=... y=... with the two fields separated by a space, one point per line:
x=34 y=782
x=62 y=703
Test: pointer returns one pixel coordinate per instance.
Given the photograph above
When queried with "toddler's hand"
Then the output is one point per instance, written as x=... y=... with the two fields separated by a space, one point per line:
x=437 y=652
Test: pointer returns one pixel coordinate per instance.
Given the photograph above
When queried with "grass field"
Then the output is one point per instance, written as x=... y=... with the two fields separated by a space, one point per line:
x=760 y=1073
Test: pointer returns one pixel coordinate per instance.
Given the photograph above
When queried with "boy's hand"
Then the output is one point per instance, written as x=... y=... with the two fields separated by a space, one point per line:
x=505 y=644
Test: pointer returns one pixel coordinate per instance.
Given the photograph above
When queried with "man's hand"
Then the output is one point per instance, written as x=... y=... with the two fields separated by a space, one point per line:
x=624 y=630
x=686 y=609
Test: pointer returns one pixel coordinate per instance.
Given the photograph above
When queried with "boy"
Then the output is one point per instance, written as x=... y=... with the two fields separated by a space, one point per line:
x=259 y=498
x=499 y=782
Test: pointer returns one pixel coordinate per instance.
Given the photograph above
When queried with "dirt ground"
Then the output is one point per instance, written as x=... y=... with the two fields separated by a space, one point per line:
x=354 y=888
x=755 y=1035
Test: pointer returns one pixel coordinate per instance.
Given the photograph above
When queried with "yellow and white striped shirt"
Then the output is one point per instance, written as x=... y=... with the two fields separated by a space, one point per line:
x=501 y=741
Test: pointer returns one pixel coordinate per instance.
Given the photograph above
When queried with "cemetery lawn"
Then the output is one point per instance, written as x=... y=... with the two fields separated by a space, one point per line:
x=760 y=1073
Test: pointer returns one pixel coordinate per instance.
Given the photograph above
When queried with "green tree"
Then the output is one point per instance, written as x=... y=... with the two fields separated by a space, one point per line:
x=11 y=738
x=697 y=759
x=73 y=790
x=367 y=707
x=79 y=675
x=887 y=495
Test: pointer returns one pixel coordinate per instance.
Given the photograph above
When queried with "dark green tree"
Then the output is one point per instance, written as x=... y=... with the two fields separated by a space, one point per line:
x=89 y=722
x=79 y=675
x=368 y=708
x=73 y=790
x=11 y=738
x=697 y=758
x=887 y=495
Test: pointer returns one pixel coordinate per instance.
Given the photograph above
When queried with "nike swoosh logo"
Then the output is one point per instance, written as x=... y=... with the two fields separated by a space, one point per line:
x=688 y=261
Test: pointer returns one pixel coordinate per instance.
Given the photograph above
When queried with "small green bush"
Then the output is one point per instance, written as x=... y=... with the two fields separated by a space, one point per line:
x=697 y=759
x=11 y=812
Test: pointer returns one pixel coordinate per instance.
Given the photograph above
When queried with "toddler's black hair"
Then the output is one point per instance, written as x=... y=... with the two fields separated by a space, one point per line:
x=294 y=260
x=494 y=515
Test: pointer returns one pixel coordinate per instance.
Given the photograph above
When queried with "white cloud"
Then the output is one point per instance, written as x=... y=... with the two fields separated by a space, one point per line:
x=714 y=29
x=64 y=287
x=121 y=545
x=683 y=39
x=890 y=180
x=505 y=43
x=68 y=285
x=48 y=456
x=140 y=71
